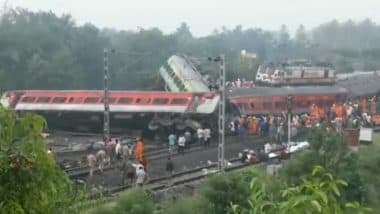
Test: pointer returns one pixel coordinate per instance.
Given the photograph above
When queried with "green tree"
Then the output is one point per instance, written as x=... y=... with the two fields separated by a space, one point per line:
x=319 y=193
x=30 y=182
x=330 y=151
x=135 y=201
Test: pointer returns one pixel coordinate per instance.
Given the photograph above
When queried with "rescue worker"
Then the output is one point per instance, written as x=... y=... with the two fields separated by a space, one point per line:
x=139 y=149
x=363 y=105
x=254 y=126
x=101 y=158
x=91 y=161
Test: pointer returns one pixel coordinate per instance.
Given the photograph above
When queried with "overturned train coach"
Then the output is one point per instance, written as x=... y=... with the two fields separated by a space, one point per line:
x=83 y=110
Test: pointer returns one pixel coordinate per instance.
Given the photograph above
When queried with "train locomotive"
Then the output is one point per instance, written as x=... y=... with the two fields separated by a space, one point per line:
x=299 y=72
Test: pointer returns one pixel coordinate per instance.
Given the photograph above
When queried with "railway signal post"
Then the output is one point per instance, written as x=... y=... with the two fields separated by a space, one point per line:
x=290 y=105
x=106 y=121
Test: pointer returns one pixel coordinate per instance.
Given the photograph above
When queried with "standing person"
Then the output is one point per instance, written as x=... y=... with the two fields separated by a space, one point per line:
x=128 y=172
x=91 y=161
x=139 y=149
x=140 y=174
x=169 y=170
x=111 y=149
x=118 y=149
x=200 y=133
x=207 y=137
x=101 y=158
x=188 y=139
x=125 y=152
x=172 y=138
x=181 y=144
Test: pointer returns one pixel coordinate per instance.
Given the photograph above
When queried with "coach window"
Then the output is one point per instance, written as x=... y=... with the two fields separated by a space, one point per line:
x=125 y=100
x=279 y=105
x=267 y=105
x=28 y=99
x=252 y=105
x=143 y=100
x=43 y=100
x=160 y=101
x=243 y=106
x=303 y=104
x=111 y=100
x=59 y=99
x=91 y=100
x=179 y=101
x=329 y=103
x=75 y=100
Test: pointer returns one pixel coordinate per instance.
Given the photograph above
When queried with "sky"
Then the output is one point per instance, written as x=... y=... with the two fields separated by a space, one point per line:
x=203 y=16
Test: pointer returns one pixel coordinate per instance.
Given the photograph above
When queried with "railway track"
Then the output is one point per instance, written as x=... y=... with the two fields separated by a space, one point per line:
x=183 y=177
x=78 y=172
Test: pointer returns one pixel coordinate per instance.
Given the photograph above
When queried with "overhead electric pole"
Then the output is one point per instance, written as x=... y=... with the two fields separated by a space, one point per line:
x=221 y=111
x=290 y=106
x=106 y=121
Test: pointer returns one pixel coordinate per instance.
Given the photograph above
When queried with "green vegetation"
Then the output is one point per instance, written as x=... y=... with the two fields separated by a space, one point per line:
x=30 y=182
x=43 y=51
x=343 y=182
x=317 y=194
x=376 y=138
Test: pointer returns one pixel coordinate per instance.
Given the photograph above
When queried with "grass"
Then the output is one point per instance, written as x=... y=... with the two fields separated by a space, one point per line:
x=376 y=138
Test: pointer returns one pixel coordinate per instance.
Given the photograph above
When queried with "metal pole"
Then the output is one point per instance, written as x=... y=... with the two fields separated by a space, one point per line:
x=221 y=111
x=289 y=126
x=106 y=121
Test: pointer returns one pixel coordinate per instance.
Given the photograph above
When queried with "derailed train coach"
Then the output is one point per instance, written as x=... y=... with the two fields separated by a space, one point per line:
x=268 y=100
x=83 y=110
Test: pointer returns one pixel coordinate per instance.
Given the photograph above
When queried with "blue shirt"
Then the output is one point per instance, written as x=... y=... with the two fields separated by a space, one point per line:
x=172 y=139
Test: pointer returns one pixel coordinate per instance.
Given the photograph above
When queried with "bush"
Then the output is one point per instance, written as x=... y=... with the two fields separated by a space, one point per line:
x=196 y=204
x=30 y=182
x=135 y=201
x=221 y=190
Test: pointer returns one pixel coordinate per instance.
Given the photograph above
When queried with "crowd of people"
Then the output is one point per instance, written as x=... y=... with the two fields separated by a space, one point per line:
x=133 y=164
x=240 y=83
x=133 y=172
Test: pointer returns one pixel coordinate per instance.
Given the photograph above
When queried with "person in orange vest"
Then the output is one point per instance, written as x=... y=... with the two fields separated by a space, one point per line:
x=254 y=126
x=139 y=149
x=363 y=105
x=340 y=111
x=321 y=114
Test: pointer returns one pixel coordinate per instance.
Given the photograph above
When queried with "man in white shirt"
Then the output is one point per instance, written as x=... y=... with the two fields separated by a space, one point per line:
x=207 y=136
x=140 y=174
x=181 y=144
x=200 y=135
